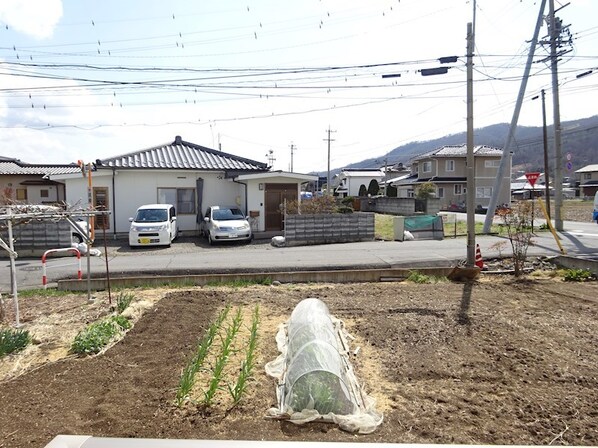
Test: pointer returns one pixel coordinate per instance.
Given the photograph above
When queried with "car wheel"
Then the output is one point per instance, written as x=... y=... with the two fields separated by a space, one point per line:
x=76 y=238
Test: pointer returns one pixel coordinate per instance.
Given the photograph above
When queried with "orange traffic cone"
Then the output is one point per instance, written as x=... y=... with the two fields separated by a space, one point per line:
x=479 y=261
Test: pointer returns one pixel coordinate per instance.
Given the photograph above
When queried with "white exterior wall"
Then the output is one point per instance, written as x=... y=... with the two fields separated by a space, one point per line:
x=135 y=188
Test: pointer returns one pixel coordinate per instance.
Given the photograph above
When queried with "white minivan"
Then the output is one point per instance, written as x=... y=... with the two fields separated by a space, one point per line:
x=153 y=225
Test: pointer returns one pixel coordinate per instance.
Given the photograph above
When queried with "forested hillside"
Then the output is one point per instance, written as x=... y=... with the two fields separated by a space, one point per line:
x=579 y=138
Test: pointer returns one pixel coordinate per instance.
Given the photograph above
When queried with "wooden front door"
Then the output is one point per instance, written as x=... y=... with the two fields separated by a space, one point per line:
x=275 y=196
x=100 y=203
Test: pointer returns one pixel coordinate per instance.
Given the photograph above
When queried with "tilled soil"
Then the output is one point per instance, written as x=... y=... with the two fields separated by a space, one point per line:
x=491 y=362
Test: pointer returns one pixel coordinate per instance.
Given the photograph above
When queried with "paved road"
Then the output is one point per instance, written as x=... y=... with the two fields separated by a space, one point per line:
x=191 y=255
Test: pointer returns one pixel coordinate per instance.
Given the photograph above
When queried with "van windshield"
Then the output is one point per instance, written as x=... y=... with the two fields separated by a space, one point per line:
x=151 y=215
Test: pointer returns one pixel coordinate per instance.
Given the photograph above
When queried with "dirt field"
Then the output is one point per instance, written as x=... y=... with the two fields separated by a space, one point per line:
x=497 y=361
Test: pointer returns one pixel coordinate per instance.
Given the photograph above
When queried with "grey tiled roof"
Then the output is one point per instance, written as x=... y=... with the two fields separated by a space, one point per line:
x=460 y=151
x=10 y=166
x=182 y=155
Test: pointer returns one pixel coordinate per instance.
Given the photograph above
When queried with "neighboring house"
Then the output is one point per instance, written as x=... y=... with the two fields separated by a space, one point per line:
x=29 y=183
x=522 y=189
x=446 y=168
x=349 y=181
x=588 y=180
x=190 y=176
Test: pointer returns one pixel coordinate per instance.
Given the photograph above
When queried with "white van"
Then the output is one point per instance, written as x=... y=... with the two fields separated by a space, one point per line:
x=153 y=225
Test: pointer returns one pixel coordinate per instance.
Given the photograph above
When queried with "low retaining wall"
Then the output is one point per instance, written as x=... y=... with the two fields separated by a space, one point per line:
x=301 y=230
x=332 y=276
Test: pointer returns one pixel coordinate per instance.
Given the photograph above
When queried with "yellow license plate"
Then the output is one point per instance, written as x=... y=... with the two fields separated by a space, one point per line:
x=144 y=240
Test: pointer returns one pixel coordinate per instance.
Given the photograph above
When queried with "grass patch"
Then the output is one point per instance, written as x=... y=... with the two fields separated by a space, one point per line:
x=97 y=336
x=242 y=283
x=41 y=292
x=12 y=341
x=418 y=277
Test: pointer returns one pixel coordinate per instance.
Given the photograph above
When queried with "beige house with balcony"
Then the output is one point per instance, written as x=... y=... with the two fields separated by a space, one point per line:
x=446 y=168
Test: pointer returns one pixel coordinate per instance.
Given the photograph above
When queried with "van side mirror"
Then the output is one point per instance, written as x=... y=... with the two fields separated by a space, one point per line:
x=130 y=219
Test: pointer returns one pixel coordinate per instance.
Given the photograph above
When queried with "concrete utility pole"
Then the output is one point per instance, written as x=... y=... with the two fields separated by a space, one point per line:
x=546 y=165
x=558 y=156
x=328 y=191
x=470 y=156
x=292 y=151
x=503 y=159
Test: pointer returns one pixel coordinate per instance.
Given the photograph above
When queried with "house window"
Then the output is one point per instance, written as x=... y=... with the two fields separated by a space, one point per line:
x=44 y=193
x=587 y=176
x=21 y=194
x=483 y=192
x=450 y=165
x=440 y=192
x=427 y=167
x=458 y=190
x=492 y=163
x=182 y=198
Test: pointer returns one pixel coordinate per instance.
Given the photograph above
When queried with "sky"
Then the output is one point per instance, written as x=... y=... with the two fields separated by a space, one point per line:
x=267 y=80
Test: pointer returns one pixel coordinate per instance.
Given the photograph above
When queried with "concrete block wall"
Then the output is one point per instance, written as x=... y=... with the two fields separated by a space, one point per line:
x=301 y=230
x=398 y=206
x=35 y=237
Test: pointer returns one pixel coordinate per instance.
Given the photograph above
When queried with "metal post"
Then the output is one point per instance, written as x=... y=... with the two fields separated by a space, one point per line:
x=13 y=271
x=545 y=142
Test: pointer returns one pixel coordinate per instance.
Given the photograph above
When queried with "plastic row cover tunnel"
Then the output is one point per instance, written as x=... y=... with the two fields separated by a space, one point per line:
x=315 y=378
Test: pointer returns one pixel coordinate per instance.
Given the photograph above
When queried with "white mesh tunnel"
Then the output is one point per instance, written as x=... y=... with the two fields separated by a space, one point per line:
x=315 y=377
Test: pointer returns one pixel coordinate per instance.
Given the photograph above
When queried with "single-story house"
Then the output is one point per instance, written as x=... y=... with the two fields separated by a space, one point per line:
x=30 y=183
x=189 y=176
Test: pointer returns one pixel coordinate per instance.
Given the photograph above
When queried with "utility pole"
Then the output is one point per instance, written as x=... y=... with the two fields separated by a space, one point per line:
x=292 y=151
x=328 y=191
x=470 y=156
x=558 y=163
x=510 y=136
x=545 y=142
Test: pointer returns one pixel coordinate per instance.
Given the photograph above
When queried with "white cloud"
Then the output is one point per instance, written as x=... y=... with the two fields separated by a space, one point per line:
x=35 y=18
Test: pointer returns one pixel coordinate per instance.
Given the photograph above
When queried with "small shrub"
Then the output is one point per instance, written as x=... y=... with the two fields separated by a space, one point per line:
x=95 y=337
x=12 y=341
x=348 y=201
x=123 y=300
x=317 y=205
x=577 y=275
x=344 y=209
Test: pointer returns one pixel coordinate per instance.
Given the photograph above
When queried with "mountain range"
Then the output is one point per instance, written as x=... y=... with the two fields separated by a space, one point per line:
x=579 y=143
